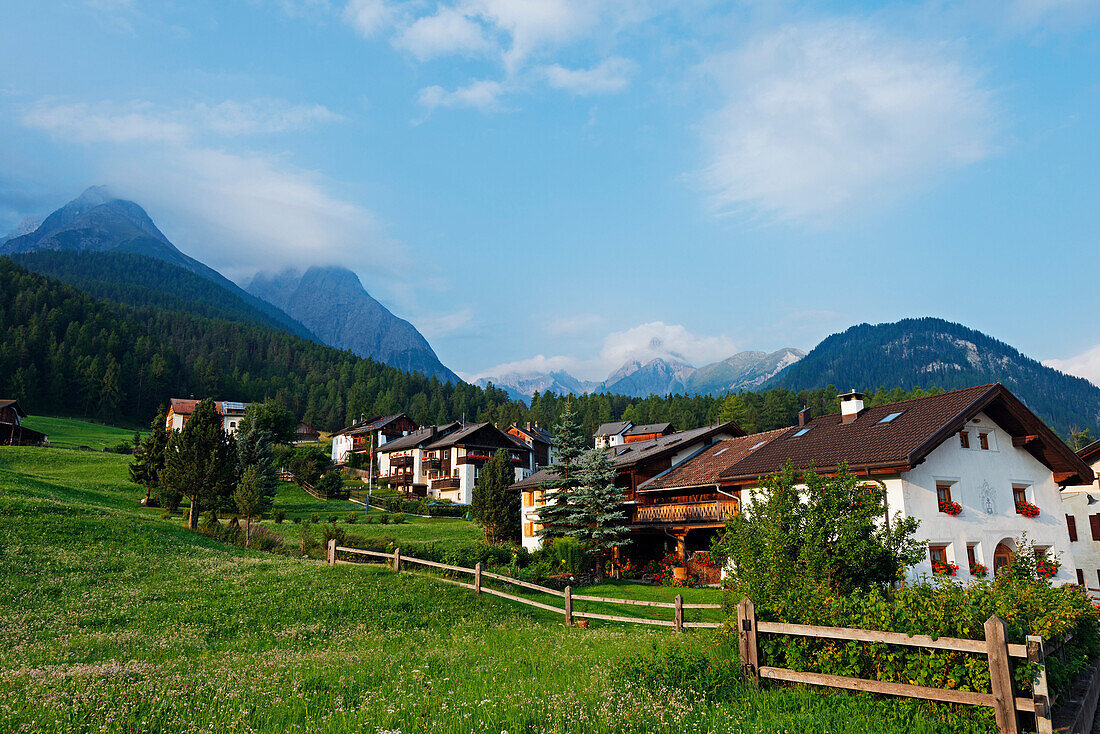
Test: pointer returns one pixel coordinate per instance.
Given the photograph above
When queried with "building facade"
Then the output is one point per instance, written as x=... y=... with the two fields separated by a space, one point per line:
x=12 y=431
x=1081 y=505
x=180 y=410
x=370 y=433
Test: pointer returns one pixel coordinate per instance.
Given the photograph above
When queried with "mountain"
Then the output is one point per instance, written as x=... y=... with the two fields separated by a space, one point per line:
x=98 y=222
x=742 y=371
x=930 y=352
x=334 y=305
x=521 y=386
x=28 y=225
x=658 y=376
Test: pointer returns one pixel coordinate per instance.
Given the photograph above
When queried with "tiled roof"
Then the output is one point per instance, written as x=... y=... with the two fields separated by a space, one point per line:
x=612 y=429
x=417 y=438
x=1089 y=454
x=536 y=434
x=630 y=454
x=706 y=467
x=374 y=424
x=464 y=436
x=186 y=406
x=535 y=480
x=919 y=426
x=649 y=428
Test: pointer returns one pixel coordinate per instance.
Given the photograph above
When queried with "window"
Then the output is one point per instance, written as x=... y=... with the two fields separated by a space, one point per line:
x=943 y=492
x=528 y=499
x=528 y=529
x=802 y=432
x=1071 y=526
x=1080 y=577
x=964 y=439
x=720 y=451
x=938 y=554
x=1019 y=494
x=758 y=445
x=542 y=496
x=890 y=417
x=1098 y=575
x=983 y=441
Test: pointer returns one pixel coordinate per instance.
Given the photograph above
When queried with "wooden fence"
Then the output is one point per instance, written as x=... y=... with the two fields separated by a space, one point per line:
x=567 y=596
x=1002 y=700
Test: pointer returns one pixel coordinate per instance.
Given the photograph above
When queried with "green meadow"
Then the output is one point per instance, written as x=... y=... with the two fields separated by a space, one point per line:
x=116 y=620
x=69 y=433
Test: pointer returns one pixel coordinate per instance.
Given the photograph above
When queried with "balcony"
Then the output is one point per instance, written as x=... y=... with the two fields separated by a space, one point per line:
x=446 y=484
x=397 y=461
x=431 y=462
x=701 y=513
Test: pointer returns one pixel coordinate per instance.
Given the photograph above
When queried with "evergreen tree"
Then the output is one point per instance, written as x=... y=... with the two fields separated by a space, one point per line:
x=255 y=450
x=147 y=466
x=495 y=507
x=595 y=510
x=251 y=498
x=271 y=417
x=569 y=445
x=201 y=462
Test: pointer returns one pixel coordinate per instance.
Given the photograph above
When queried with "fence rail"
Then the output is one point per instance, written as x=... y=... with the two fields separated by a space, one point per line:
x=1002 y=700
x=677 y=605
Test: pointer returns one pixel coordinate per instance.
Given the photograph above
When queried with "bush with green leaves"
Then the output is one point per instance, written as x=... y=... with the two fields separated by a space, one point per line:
x=351 y=518
x=332 y=518
x=332 y=531
x=315 y=518
x=384 y=518
x=279 y=515
x=397 y=518
x=564 y=555
x=296 y=519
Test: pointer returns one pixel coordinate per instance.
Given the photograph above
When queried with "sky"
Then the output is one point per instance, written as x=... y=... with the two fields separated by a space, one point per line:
x=569 y=184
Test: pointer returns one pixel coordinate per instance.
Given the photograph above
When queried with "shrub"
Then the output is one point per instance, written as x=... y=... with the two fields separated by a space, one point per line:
x=123 y=447
x=278 y=516
x=351 y=518
x=332 y=531
x=384 y=518
x=315 y=518
x=333 y=518
x=566 y=555
x=397 y=518
x=296 y=519
x=166 y=515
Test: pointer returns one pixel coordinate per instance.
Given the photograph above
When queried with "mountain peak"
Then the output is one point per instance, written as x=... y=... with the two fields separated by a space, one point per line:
x=95 y=196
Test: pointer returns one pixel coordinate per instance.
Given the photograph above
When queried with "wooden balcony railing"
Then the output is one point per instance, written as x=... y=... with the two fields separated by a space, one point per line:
x=401 y=461
x=695 y=512
x=445 y=484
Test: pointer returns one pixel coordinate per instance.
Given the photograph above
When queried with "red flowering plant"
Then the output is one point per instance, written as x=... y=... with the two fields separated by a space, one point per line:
x=979 y=571
x=950 y=508
x=1046 y=568
x=704 y=559
x=944 y=569
x=1027 y=509
x=664 y=575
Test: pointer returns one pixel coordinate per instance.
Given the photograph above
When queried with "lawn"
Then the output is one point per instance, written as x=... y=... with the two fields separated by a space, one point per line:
x=115 y=620
x=70 y=433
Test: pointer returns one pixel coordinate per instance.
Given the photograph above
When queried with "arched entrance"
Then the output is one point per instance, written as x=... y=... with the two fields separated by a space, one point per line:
x=1002 y=556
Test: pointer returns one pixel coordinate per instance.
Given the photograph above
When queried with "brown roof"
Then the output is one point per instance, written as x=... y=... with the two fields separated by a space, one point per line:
x=418 y=438
x=631 y=454
x=536 y=434
x=1088 y=454
x=612 y=429
x=706 y=467
x=535 y=480
x=186 y=406
x=11 y=401
x=371 y=424
x=490 y=437
x=922 y=424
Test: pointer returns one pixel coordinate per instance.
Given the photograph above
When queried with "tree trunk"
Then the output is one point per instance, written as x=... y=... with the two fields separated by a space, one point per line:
x=193 y=515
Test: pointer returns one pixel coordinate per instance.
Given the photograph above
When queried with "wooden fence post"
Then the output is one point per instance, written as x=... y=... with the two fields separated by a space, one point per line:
x=568 y=606
x=1000 y=676
x=332 y=551
x=396 y=560
x=1040 y=691
x=746 y=641
x=679 y=613
x=477 y=577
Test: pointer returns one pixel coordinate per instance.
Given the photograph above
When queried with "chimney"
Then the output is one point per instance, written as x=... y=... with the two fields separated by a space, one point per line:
x=528 y=425
x=803 y=417
x=851 y=405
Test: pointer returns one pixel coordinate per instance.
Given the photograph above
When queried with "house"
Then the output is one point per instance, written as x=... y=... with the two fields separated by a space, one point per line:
x=611 y=434
x=974 y=466
x=1081 y=504
x=538 y=439
x=445 y=461
x=635 y=462
x=647 y=432
x=303 y=433
x=12 y=432
x=179 y=412
x=366 y=433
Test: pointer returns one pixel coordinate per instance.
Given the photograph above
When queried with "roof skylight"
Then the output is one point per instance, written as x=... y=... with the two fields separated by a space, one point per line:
x=891 y=417
x=758 y=445
x=802 y=432
x=719 y=451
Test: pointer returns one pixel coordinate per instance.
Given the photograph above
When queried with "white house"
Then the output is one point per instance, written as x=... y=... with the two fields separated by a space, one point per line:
x=179 y=412
x=974 y=466
x=1081 y=504
x=611 y=434
x=445 y=461
x=369 y=433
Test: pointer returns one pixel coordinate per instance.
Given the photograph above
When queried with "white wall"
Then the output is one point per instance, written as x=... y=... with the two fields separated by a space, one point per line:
x=341 y=447
x=1075 y=502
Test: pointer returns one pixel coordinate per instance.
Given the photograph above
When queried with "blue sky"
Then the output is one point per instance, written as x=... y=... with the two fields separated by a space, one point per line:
x=564 y=184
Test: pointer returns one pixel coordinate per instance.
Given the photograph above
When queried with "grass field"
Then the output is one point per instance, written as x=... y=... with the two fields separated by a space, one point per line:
x=115 y=620
x=68 y=433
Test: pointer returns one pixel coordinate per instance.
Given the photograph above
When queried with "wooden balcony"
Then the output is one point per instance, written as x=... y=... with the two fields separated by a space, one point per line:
x=431 y=462
x=446 y=484
x=689 y=513
x=401 y=461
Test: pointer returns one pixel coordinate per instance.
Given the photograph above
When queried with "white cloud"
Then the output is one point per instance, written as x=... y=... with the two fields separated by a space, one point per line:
x=643 y=343
x=144 y=122
x=482 y=95
x=444 y=324
x=824 y=117
x=534 y=24
x=369 y=17
x=611 y=75
x=1086 y=364
x=573 y=326
x=448 y=31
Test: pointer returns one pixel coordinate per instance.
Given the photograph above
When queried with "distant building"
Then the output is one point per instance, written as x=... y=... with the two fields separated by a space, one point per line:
x=12 y=432
x=538 y=439
x=179 y=412
x=303 y=433
x=445 y=461
x=611 y=434
x=647 y=432
x=366 y=433
x=1081 y=504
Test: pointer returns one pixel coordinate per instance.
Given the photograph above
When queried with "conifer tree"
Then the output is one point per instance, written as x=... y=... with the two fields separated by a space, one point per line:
x=595 y=511
x=569 y=445
x=147 y=466
x=201 y=462
x=495 y=506
x=255 y=450
x=251 y=498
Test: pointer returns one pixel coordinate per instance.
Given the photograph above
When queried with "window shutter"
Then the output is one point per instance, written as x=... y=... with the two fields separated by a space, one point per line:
x=1080 y=577
x=1094 y=524
x=1071 y=526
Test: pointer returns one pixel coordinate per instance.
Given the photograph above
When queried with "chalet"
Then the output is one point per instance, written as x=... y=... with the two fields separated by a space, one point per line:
x=12 y=432
x=445 y=461
x=611 y=434
x=179 y=412
x=647 y=432
x=304 y=433
x=974 y=466
x=366 y=433
x=538 y=439
x=635 y=462
x=1081 y=504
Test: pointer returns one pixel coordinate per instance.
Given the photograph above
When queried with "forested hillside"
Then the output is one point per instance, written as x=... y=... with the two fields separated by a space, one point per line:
x=63 y=352
x=932 y=352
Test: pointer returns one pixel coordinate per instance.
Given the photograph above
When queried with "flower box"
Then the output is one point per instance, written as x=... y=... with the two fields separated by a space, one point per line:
x=1027 y=509
x=979 y=571
x=1046 y=569
x=944 y=569
x=950 y=508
